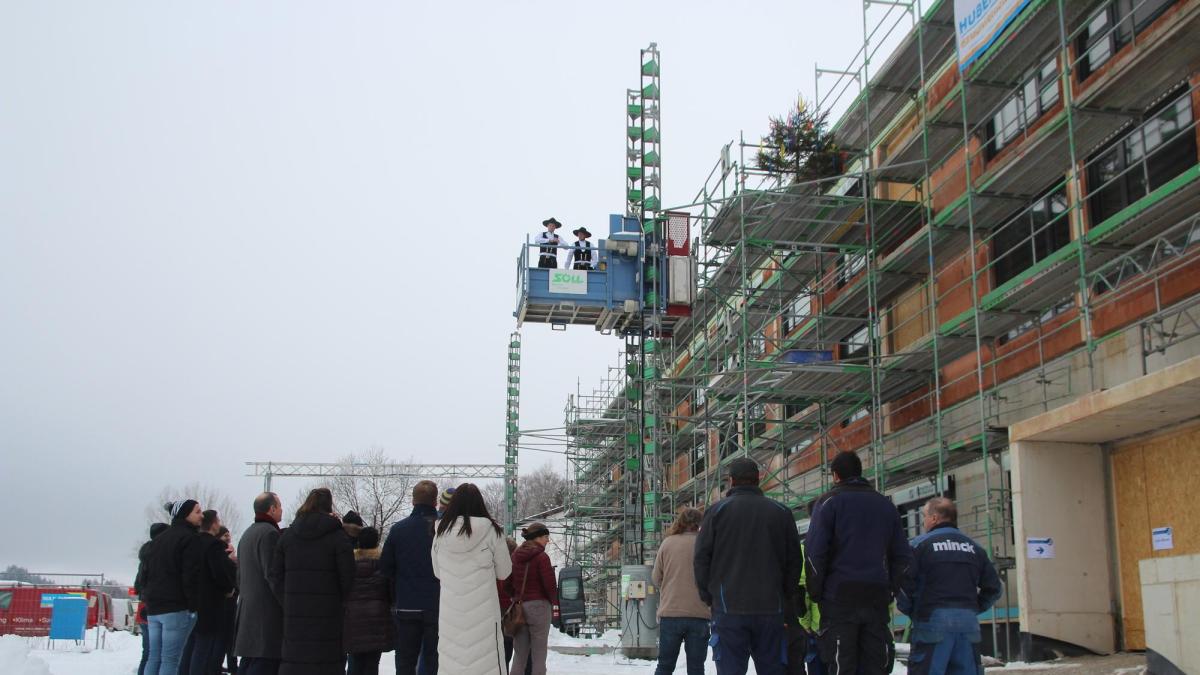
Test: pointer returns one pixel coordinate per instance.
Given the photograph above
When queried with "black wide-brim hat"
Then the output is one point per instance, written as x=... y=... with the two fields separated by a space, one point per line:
x=581 y=231
x=551 y=221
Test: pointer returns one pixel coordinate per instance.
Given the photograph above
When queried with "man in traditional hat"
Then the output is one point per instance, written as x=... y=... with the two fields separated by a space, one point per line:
x=549 y=242
x=581 y=255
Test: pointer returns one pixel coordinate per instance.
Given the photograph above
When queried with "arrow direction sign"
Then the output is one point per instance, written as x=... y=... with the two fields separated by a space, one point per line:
x=1039 y=547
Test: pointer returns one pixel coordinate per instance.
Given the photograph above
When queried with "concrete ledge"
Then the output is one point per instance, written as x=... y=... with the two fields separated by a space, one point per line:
x=1149 y=403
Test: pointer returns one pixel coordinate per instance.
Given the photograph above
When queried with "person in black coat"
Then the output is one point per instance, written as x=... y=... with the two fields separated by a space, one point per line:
x=313 y=571
x=747 y=568
x=368 y=627
x=172 y=570
x=139 y=586
x=218 y=578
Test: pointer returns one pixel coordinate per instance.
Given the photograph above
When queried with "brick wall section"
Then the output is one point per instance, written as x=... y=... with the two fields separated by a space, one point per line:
x=1136 y=298
x=908 y=409
x=952 y=289
x=937 y=90
x=1058 y=336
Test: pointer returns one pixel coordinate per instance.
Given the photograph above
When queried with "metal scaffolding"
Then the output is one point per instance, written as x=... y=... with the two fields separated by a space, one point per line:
x=996 y=243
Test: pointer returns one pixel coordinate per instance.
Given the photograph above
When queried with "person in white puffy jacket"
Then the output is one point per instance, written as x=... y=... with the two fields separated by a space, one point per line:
x=469 y=556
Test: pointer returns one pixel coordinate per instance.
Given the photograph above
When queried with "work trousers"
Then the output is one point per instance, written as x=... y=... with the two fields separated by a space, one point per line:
x=855 y=640
x=736 y=638
x=168 y=634
x=692 y=633
x=530 y=644
x=802 y=655
x=946 y=642
x=416 y=638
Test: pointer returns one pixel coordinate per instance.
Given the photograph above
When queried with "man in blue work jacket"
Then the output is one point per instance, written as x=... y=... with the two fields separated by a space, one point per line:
x=856 y=557
x=407 y=562
x=952 y=582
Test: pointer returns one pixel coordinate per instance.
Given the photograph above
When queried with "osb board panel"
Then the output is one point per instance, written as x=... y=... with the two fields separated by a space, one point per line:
x=1172 y=465
x=911 y=318
x=1129 y=495
x=1153 y=484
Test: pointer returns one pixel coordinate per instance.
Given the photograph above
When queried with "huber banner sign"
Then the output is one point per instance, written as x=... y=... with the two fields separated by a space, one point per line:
x=979 y=22
x=573 y=282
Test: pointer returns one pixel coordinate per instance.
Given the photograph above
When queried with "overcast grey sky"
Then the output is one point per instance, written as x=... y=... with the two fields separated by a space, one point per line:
x=287 y=230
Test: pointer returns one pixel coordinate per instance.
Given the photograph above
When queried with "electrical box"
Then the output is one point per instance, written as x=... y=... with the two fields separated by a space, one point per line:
x=637 y=590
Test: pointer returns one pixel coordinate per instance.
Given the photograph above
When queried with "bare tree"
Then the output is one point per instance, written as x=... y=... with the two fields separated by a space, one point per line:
x=210 y=498
x=542 y=490
x=493 y=497
x=375 y=486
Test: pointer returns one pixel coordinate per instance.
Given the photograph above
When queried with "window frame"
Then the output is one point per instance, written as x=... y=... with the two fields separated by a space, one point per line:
x=790 y=318
x=1126 y=185
x=1007 y=264
x=1122 y=24
x=862 y=349
x=1034 y=85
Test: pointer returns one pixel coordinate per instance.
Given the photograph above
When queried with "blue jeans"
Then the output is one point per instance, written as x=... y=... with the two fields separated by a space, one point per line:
x=947 y=642
x=145 y=628
x=693 y=633
x=738 y=637
x=168 y=633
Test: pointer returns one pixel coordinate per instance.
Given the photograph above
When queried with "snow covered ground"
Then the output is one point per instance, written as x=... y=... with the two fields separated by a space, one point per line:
x=120 y=655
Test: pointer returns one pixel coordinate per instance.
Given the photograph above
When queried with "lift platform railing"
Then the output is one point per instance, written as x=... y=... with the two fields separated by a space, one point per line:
x=564 y=295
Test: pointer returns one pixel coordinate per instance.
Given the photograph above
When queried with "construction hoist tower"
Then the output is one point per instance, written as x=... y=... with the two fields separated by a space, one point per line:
x=643 y=475
x=640 y=285
x=512 y=430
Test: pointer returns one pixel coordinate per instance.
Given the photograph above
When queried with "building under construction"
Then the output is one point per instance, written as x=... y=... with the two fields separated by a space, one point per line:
x=992 y=297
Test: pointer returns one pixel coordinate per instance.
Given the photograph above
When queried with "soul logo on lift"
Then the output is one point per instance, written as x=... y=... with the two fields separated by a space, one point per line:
x=568 y=281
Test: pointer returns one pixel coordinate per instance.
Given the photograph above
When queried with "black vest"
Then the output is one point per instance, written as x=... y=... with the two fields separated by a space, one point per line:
x=583 y=252
x=549 y=252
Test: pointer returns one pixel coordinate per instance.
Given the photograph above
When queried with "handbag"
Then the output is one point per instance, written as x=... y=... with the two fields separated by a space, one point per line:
x=514 y=617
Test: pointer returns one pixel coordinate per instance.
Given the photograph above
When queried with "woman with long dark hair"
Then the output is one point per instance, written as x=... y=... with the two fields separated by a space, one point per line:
x=312 y=571
x=469 y=555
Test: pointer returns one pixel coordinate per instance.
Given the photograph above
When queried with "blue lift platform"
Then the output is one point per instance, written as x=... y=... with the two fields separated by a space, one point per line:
x=607 y=297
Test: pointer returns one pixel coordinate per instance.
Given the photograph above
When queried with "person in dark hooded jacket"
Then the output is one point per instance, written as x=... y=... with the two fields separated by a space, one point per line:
x=368 y=628
x=313 y=571
x=139 y=587
x=217 y=580
x=171 y=593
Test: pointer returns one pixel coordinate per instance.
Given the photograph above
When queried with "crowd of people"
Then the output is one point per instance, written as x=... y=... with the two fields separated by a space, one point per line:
x=449 y=593
x=740 y=580
x=323 y=596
